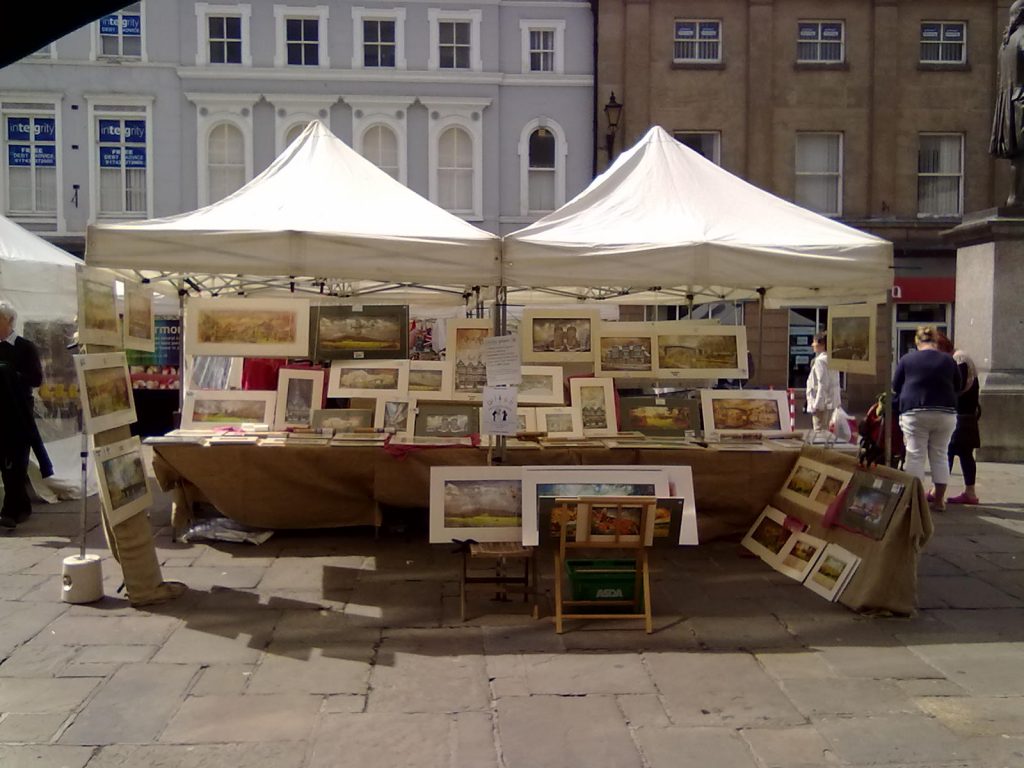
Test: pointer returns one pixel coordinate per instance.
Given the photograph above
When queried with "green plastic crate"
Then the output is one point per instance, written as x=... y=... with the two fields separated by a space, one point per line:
x=602 y=579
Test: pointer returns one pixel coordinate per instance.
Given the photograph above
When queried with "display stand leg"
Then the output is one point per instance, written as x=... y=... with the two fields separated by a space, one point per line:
x=82 y=574
x=558 y=594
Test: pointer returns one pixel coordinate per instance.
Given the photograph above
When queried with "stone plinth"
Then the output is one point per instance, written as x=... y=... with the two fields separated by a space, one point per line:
x=989 y=323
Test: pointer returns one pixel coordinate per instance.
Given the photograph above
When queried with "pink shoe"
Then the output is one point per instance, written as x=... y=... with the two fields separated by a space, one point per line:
x=963 y=498
x=931 y=495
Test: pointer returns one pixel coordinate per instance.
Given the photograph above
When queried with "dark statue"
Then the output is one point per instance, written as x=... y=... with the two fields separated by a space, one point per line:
x=1008 y=121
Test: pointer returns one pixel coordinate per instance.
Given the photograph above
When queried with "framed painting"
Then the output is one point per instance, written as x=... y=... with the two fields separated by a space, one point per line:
x=479 y=503
x=832 y=572
x=343 y=420
x=446 y=420
x=430 y=380
x=625 y=350
x=851 y=338
x=139 y=324
x=565 y=336
x=244 y=327
x=105 y=390
x=122 y=475
x=616 y=519
x=575 y=481
x=355 y=378
x=660 y=416
x=814 y=485
x=869 y=504
x=595 y=401
x=356 y=332
x=800 y=555
x=561 y=423
x=393 y=415
x=209 y=409
x=769 y=535
x=745 y=412
x=299 y=393
x=465 y=354
x=701 y=352
x=542 y=385
x=97 y=310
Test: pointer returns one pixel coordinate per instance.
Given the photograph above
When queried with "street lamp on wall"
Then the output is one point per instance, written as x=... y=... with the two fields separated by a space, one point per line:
x=612 y=111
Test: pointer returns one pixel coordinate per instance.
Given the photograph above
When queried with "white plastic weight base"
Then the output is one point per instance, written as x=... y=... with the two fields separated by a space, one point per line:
x=82 y=580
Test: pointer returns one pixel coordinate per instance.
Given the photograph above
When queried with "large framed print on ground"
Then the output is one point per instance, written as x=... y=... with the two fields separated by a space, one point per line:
x=430 y=379
x=356 y=378
x=446 y=420
x=300 y=391
x=479 y=503
x=574 y=481
x=345 y=332
x=122 y=477
x=660 y=416
x=97 y=310
x=139 y=324
x=869 y=504
x=625 y=350
x=465 y=353
x=211 y=409
x=343 y=420
x=814 y=485
x=564 y=336
x=701 y=351
x=247 y=327
x=560 y=423
x=105 y=390
x=745 y=412
x=542 y=385
x=595 y=400
x=851 y=338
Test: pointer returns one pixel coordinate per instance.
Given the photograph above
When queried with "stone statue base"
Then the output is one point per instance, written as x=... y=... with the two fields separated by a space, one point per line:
x=989 y=322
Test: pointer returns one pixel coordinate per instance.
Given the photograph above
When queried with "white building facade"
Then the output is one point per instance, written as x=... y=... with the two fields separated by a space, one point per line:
x=485 y=107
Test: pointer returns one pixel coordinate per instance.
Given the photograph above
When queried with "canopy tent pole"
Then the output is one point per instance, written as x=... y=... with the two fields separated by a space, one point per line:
x=760 y=331
x=888 y=409
x=500 y=321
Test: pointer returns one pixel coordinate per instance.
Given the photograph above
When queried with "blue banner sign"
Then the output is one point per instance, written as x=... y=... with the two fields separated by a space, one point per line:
x=686 y=30
x=128 y=24
x=112 y=131
x=709 y=29
x=134 y=157
x=930 y=32
x=27 y=128
x=18 y=155
x=46 y=156
x=110 y=157
x=832 y=31
x=953 y=33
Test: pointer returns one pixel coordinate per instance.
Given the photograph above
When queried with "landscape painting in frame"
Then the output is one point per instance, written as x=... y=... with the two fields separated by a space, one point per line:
x=768 y=535
x=745 y=412
x=703 y=352
x=446 y=420
x=565 y=336
x=97 y=310
x=299 y=393
x=139 y=324
x=122 y=477
x=343 y=420
x=851 y=338
x=210 y=409
x=430 y=380
x=243 y=327
x=625 y=349
x=813 y=484
x=465 y=353
x=479 y=503
x=660 y=416
x=800 y=555
x=595 y=400
x=105 y=390
x=356 y=378
x=832 y=572
x=541 y=385
x=617 y=519
x=360 y=332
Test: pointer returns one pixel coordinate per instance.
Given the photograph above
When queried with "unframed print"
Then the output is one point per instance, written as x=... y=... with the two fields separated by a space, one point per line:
x=430 y=380
x=800 y=555
x=122 y=477
x=703 y=352
x=594 y=398
x=465 y=353
x=626 y=349
x=480 y=503
x=851 y=338
x=745 y=412
x=814 y=484
x=105 y=390
x=97 y=310
x=558 y=335
x=832 y=572
x=343 y=420
x=561 y=423
x=244 y=327
x=542 y=385
x=299 y=393
x=139 y=323
x=357 y=378
x=768 y=535
x=393 y=416
x=232 y=408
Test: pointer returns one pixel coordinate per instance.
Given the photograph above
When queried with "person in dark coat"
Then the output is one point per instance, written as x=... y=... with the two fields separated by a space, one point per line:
x=966 y=437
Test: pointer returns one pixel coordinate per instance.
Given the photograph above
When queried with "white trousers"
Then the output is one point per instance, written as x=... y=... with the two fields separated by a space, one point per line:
x=927 y=433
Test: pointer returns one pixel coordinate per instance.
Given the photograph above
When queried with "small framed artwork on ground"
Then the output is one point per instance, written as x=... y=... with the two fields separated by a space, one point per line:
x=851 y=338
x=814 y=485
x=299 y=393
x=595 y=401
x=562 y=423
x=465 y=353
x=343 y=420
x=744 y=412
x=800 y=555
x=138 y=324
x=768 y=536
x=209 y=409
x=122 y=477
x=446 y=420
x=247 y=327
x=832 y=572
x=393 y=416
x=702 y=352
x=626 y=350
x=97 y=310
x=339 y=332
x=542 y=385
x=660 y=416
x=869 y=504
x=565 y=336
x=105 y=390
x=355 y=378
x=480 y=503
x=430 y=380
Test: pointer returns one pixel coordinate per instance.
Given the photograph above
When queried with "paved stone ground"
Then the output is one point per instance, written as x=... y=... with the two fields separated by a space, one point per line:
x=338 y=649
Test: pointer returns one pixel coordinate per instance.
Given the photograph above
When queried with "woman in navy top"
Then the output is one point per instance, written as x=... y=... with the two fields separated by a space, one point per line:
x=926 y=384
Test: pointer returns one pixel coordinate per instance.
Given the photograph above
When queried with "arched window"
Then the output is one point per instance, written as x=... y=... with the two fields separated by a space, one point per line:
x=541 y=170
x=226 y=160
x=455 y=170
x=380 y=147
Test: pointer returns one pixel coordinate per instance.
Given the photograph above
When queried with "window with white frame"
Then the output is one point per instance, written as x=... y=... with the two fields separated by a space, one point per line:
x=225 y=161
x=455 y=161
x=455 y=170
x=223 y=143
x=30 y=148
x=697 y=41
x=380 y=147
x=542 y=153
x=301 y=36
x=543 y=44
x=820 y=42
x=454 y=40
x=379 y=38
x=943 y=42
x=940 y=178
x=123 y=162
x=223 y=34
x=707 y=143
x=120 y=33
x=819 y=172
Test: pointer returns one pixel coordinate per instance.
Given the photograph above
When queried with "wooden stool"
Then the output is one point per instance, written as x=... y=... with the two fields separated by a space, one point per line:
x=500 y=552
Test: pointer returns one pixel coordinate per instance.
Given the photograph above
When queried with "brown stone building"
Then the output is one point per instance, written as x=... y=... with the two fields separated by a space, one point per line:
x=876 y=112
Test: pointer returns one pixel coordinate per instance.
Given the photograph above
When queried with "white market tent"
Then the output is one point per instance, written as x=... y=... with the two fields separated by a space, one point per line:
x=662 y=215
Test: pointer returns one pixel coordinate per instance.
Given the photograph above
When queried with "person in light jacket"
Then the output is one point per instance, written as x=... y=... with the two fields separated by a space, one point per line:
x=823 y=395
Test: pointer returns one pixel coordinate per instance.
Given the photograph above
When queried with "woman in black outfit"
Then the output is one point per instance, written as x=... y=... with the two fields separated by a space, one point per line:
x=966 y=437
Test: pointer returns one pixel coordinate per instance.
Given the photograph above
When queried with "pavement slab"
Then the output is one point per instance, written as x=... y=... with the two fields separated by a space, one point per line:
x=694 y=747
x=789 y=747
x=31 y=729
x=42 y=695
x=978 y=715
x=44 y=756
x=199 y=756
x=220 y=719
x=23 y=621
x=895 y=739
x=579 y=674
x=987 y=669
x=848 y=697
